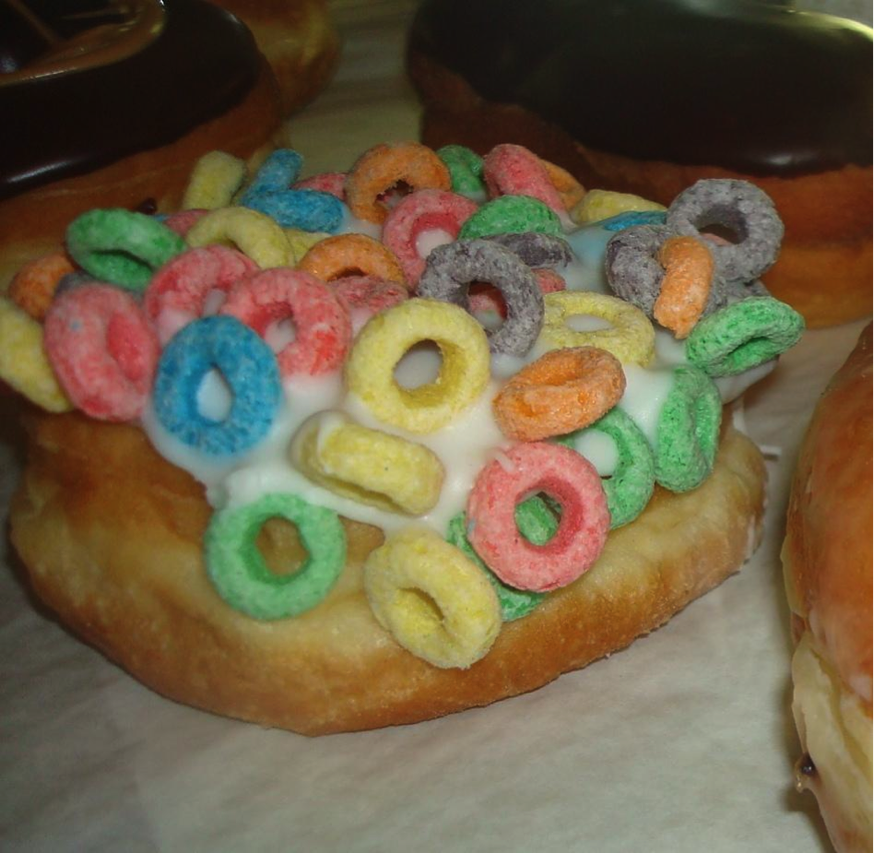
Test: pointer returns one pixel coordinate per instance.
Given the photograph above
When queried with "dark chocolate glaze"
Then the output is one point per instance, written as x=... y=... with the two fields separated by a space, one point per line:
x=202 y=64
x=751 y=86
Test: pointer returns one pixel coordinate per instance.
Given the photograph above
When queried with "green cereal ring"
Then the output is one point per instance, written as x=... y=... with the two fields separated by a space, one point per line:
x=631 y=485
x=465 y=169
x=743 y=335
x=536 y=523
x=121 y=247
x=515 y=214
x=242 y=578
x=687 y=434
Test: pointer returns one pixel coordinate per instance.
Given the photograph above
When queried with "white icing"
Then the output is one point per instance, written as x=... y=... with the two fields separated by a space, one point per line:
x=430 y=238
x=599 y=449
x=586 y=323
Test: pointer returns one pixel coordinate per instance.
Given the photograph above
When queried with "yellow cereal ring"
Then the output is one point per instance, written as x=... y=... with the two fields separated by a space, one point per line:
x=630 y=336
x=23 y=362
x=433 y=599
x=464 y=372
x=255 y=234
x=346 y=255
x=367 y=465
x=215 y=179
x=300 y=242
x=602 y=204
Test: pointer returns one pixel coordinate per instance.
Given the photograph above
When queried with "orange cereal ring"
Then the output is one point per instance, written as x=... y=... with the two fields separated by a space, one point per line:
x=563 y=391
x=686 y=285
x=351 y=255
x=570 y=190
x=34 y=285
x=385 y=167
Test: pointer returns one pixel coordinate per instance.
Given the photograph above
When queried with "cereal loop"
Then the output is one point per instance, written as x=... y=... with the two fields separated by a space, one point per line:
x=685 y=288
x=351 y=255
x=569 y=189
x=300 y=242
x=366 y=296
x=565 y=477
x=630 y=336
x=563 y=391
x=33 y=286
x=242 y=578
x=597 y=205
x=465 y=169
x=385 y=167
x=434 y=601
x=511 y=214
x=511 y=170
x=369 y=466
x=464 y=372
x=325 y=182
x=215 y=179
x=253 y=233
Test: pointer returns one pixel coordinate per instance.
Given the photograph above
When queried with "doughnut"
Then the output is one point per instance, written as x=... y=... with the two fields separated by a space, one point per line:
x=327 y=531
x=757 y=92
x=828 y=571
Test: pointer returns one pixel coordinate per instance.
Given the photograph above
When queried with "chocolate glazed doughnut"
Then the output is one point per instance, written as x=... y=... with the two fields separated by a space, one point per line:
x=648 y=97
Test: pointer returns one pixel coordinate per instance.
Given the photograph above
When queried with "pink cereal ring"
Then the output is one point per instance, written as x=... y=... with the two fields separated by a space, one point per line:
x=490 y=299
x=511 y=170
x=325 y=182
x=414 y=216
x=526 y=470
x=183 y=221
x=322 y=325
x=180 y=290
x=103 y=350
x=365 y=296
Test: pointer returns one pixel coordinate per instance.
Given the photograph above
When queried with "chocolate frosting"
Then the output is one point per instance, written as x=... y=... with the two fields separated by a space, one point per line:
x=752 y=86
x=201 y=64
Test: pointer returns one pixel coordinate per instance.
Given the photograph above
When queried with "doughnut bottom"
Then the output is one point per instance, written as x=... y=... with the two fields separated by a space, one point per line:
x=110 y=534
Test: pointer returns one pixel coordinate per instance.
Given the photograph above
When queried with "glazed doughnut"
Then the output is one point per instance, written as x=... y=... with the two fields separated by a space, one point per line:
x=828 y=572
x=758 y=91
x=267 y=543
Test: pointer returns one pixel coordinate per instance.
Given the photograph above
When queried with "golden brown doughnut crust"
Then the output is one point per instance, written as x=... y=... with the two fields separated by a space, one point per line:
x=110 y=534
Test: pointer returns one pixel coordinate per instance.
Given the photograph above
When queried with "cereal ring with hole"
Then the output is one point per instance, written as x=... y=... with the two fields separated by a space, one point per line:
x=23 y=361
x=103 y=350
x=385 y=167
x=631 y=480
x=565 y=477
x=121 y=247
x=322 y=326
x=629 y=335
x=511 y=170
x=434 y=601
x=214 y=181
x=351 y=255
x=685 y=287
x=253 y=233
x=464 y=371
x=517 y=214
x=743 y=335
x=33 y=286
x=248 y=368
x=325 y=182
x=410 y=228
x=465 y=170
x=597 y=205
x=536 y=249
x=370 y=466
x=741 y=209
x=365 y=296
x=537 y=524
x=453 y=267
x=239 y=573
x=687 y=433
x=180 y=290
x=563 y=391
x=489 y=300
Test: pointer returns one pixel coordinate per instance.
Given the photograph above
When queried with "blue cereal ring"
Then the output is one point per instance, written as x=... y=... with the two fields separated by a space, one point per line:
x=247 y=365
x=631 y=218
x=278 y=172
x=242 y=578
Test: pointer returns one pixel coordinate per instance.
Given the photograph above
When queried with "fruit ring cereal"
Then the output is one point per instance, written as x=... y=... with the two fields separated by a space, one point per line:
x=300 y=242
x=489 y=299
x=452 y=268
x=322 y=326
x=686 y=284
x=434 y=601
x=370 y=466
x=255 y=234
x=565 y=477
x=366 y=296
x=511 y=170
x=121 y=247
x=535 y=248
x=629 y=335
x=33 y=286
x=464 y=372
x=465 y=170
x=242 y=578
x=352 y=255
x=214 y=181
x=248 y=367
x=103 y=350
x=518 y=214
x=384 y=167
x=597 y=205
x=326 y=182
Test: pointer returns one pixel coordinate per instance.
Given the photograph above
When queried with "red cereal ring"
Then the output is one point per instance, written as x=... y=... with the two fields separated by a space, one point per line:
x=103 y=350
x=179 y=291
x=351 y=255
x=322 y=326
x=511 y=170
x=385 y=167
x=490 y=299
x=33 y=286
x=325 y=182
x=417 y=214
x=563 y=391
x=524 y=470
x=365 y=296
x=182 y=221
